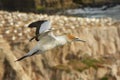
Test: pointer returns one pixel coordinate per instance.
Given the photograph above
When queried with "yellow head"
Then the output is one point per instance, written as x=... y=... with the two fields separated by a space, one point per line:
x=71 y=37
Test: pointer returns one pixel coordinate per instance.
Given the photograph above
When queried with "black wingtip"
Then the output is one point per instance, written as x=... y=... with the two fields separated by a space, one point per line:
x=36 y=23
x=21 y=58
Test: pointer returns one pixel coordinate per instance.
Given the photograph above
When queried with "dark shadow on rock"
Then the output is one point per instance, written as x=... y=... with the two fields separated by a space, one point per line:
x=9 y=73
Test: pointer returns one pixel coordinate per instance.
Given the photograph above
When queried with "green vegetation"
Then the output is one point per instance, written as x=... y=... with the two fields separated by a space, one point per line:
x=91 y=62
x=104 y=78
x=62 y=67
x=38 y=5
x=79 y=65
x=40 y=8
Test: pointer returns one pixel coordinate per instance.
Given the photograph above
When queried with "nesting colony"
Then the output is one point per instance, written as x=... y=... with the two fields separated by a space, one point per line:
x=13 y=25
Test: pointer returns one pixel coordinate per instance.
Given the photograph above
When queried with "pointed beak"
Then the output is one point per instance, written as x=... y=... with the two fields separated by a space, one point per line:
x=77 y=39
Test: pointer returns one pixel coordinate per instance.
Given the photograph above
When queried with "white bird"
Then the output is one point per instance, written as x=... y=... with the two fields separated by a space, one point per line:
x=46 y=39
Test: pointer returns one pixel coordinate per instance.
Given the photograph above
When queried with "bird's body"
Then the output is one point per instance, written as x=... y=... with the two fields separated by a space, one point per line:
x=47 y=40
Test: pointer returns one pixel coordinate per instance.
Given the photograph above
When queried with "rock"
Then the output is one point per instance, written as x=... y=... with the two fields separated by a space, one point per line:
x=102 y=44
x=9 y=68
x=101 y=72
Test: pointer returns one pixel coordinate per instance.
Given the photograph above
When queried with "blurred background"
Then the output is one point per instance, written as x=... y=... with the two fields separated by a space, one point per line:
x=82 y=8
x=95 y=21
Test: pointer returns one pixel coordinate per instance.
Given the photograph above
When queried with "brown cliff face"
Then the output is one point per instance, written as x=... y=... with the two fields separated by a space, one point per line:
x=34 y=5
x=42 y=5
x=97 y=59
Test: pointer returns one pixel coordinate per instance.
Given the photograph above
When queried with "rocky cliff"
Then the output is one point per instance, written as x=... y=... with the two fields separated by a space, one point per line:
x=97 y=59
x=42 y=5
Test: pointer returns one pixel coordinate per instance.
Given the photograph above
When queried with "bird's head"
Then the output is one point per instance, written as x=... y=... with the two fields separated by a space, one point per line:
x=71 y=37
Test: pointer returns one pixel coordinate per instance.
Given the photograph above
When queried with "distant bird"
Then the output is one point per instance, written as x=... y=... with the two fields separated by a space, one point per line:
x=46 y=39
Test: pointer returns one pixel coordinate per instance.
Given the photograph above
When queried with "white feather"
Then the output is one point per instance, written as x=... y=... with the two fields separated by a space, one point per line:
x=45 y=27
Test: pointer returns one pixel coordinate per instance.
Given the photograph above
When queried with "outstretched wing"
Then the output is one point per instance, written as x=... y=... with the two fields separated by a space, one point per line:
x=41 y=26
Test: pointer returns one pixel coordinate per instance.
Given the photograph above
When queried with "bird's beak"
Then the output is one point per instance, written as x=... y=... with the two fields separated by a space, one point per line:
x=77 y=39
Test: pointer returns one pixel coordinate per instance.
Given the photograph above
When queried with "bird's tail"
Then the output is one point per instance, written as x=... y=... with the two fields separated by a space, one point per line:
x=27 y=55
x=22 y=57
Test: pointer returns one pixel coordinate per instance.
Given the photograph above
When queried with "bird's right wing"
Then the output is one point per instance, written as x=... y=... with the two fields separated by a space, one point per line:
x=41 y=26
x=45 y=27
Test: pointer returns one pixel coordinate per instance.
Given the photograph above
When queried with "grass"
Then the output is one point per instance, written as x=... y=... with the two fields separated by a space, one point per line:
x=62 y=67
x=79 y=65
x=104 y=78
x=40 y=8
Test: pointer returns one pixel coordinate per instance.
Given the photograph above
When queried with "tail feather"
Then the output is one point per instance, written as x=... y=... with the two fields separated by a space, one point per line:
x=27 y=56
x=22 y=58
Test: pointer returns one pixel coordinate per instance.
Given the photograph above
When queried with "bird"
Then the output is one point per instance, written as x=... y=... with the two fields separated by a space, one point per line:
x=46 y=40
